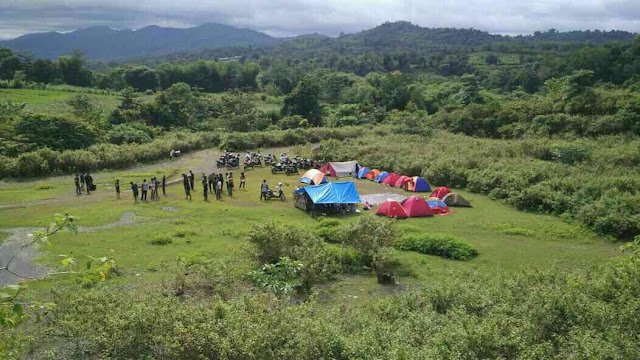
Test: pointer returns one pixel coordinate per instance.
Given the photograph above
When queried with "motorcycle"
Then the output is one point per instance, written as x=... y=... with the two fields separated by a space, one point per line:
x=291 y=169
x=278 y=168
x=272 y=194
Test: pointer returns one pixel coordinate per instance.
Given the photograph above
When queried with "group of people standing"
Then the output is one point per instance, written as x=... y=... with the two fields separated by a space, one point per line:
x=152 y=187
x=213 y=183
x=82 y=182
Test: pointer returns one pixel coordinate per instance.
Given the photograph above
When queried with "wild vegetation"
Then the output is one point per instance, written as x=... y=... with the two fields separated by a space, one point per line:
x=539 y=132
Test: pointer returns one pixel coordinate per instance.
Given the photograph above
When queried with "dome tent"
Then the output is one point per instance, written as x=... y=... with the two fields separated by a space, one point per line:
x=402 y=181
x=391 y=179
x=363 y=172
x=373 y=174
x=381 y=176
x=392 y=208
x=340 y=169
x=415 y=206
x=453 y=199
x=418 y=184
x=313 y=177
x=440 y=192
x=439 y=207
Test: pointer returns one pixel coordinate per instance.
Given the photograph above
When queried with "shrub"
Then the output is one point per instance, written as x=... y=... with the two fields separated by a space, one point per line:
x=160 y=240
x=368 y=236
x=444 y=245
x=385 y=264
x=273 y=241
x=330 y=230
x=280 y=278
x=125 y=134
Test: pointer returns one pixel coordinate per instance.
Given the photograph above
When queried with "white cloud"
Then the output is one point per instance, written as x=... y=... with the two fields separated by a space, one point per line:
x=282 y=17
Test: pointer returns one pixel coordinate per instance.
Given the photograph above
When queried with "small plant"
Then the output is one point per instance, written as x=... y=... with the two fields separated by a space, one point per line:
x=161 y=239
x=184 y=233
x=385 y=264
x=281 y=278
x=444 y=245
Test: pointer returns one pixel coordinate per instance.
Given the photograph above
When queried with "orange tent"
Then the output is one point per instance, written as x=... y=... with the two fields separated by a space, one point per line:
x=373 y=174
x=313 y=177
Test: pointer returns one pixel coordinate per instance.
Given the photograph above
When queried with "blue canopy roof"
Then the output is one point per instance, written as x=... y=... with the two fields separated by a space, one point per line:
x=363 y=172
x=381 y=176
x=332 y=193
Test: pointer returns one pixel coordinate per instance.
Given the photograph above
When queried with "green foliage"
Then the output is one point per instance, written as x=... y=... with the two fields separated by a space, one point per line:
x=304 y=101
x=369 y=236
x=179 y=105
x=57 y=133
x=330 y=230
x=272 y=241
x=528 y=314
x=444 y=245
x=126 y=134
x=160 y=239
x=281 y=278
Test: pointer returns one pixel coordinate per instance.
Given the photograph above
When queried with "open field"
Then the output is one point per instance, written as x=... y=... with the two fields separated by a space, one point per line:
x=507 y=239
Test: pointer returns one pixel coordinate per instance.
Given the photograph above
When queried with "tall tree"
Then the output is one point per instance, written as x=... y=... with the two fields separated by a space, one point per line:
x=303 y=101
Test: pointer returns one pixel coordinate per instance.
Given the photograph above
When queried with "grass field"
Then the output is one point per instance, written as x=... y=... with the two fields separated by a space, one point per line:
x=506 y=239
x=54 y=101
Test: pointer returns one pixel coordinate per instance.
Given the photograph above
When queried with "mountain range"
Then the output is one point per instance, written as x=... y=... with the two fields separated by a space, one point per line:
x=104 y=43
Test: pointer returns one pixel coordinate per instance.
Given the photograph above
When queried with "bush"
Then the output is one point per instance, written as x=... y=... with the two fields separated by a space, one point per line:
x=125 y=134
x=444 y=245
x=368 y=236
x=160 y=240
x=330 y=230
x=273 y=241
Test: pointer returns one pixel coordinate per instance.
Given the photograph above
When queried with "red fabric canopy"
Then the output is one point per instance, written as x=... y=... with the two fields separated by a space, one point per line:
x=391 y=179
x=440 y=192
x=392 y=208
x=416 y=206
x=401 y=181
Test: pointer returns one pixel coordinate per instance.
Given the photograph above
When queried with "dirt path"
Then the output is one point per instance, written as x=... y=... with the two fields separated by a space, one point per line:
x=202 y=161
x=23 y=264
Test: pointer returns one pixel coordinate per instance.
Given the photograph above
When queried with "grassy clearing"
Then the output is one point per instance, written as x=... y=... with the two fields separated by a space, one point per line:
x=506 y=239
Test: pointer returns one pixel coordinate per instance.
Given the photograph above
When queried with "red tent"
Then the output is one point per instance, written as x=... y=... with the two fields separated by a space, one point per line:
x=391 y=179
x=402 y=181
x=415 y=206
x=392 y=208
x=440 y=192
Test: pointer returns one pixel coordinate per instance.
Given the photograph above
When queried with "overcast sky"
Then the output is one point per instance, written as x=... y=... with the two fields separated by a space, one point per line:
x=294 y=17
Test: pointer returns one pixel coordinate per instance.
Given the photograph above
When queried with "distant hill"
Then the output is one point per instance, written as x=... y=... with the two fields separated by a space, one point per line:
x=103 y=43
x=216 y=40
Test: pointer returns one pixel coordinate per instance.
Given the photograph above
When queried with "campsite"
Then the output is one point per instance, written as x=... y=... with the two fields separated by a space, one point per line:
x=398 y=192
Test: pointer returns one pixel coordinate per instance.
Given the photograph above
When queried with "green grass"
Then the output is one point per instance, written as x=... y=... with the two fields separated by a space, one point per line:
x=3 y=237
x=506 y=239
x=54 y=101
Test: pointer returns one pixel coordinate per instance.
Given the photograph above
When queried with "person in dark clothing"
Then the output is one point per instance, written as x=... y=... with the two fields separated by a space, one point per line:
x=82 y=181
x=187 y=187
x=264 y=189
x=77 y=183
x=134 y=190
x=221 y=178
x=118 y=188
x=89 y=182
x=192 y=178
x=210 y=182
x=145 y=188
x=164 y=185
x=205 y=187
x=230 y=185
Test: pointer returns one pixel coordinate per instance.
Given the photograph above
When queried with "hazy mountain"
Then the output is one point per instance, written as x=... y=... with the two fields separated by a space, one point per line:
x=108 y=44
x=216 y=40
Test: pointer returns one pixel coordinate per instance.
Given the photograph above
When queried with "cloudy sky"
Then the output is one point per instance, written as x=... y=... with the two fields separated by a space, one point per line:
x=293 y=17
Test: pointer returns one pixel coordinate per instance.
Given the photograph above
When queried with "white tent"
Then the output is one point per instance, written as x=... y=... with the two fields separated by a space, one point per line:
x=341 y=169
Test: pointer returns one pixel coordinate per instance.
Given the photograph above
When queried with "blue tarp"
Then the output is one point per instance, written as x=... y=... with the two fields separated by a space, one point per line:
x=436 y=203
x=332 y=193
x=381 y=176
x=363 y=172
